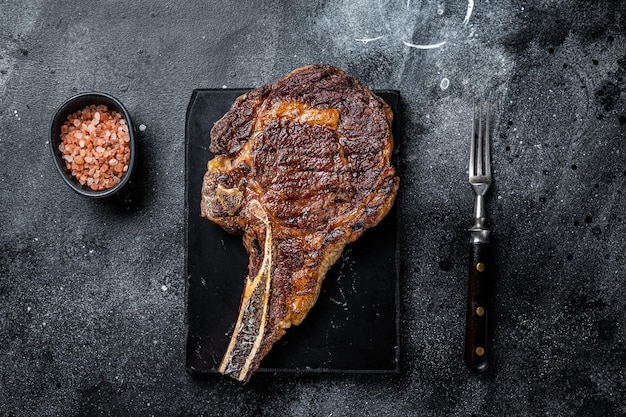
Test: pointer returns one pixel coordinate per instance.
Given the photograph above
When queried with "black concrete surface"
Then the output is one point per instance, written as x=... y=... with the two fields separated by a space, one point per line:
x=93 y=293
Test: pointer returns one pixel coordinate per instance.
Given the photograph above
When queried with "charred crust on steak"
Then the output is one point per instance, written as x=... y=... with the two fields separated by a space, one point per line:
x=302 y=167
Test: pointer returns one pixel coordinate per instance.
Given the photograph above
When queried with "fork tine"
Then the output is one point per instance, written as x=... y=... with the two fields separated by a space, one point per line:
x=479 y=152
x=472 y=166
x=487 y=166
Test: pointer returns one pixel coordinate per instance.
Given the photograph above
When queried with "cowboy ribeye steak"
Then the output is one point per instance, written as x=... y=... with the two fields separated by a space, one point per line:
x=301 y=168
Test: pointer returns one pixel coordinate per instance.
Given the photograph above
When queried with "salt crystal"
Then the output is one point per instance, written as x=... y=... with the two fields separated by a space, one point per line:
x=164 y=288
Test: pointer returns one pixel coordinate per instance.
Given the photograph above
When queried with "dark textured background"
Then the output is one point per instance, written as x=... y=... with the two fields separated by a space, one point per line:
x=92 y=293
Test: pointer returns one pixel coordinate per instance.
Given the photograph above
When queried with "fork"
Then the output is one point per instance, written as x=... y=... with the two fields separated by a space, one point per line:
x=477 y=351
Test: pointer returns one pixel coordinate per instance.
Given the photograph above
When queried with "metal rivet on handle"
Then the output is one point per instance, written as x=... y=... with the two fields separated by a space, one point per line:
x=480 y=351
x=480 y=267
x=480 y=311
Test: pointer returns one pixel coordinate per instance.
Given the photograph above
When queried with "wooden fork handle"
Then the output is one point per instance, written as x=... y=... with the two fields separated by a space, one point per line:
x=478 y=308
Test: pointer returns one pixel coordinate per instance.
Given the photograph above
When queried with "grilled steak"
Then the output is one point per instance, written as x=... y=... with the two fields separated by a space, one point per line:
x=301 y=168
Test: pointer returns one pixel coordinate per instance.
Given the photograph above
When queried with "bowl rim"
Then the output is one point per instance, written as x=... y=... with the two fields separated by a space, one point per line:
x=69 y=106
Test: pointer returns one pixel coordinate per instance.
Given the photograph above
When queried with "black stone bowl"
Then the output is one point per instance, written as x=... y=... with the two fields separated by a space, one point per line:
x=73 y=104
